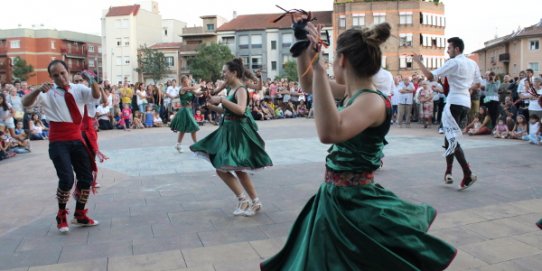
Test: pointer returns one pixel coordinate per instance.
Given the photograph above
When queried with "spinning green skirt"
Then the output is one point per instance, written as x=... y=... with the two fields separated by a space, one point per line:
x=235 y=145
x=184 y=121
x=362 y=227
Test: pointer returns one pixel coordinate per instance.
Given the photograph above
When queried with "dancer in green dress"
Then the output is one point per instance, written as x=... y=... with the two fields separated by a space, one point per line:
x=235 y=146
x=184 y=121
x=353 y=223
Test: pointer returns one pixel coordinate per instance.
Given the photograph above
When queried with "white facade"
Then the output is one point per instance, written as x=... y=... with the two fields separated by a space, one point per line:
x=172 y=30
x=121 y=38
x=273 y=56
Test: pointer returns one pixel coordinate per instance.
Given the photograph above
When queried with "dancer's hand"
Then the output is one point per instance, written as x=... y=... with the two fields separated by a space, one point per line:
x=315 y=43
x=215 y=100
x=45 y=87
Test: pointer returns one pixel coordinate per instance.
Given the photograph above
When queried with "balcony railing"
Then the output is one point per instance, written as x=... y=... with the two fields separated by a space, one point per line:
x=504 y=58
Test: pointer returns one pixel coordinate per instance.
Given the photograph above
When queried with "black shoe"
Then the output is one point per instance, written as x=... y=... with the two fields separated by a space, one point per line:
x=467 y=182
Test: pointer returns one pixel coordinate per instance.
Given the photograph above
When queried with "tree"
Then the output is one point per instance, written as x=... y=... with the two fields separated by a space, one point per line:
x=22 y=70
x=207 y=64
x=152 y=62
x=289 y=71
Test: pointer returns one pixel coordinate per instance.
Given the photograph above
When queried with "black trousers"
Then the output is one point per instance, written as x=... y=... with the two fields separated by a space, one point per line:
x=105 y=124
x=67 y=157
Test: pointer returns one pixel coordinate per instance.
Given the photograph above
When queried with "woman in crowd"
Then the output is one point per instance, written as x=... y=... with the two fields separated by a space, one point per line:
x=235 y=146
x=426 y=103
x=38 y=131
x=485 y=127
x=184 y=121
x=353 y=223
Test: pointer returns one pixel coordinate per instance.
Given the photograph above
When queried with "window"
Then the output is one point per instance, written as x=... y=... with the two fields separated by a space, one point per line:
x=405 y=18
x=534 y=45
x=210 y=27
x=169 y=61
x=273 y=45
x=228 y=40
x=245 y=61
x=100 y=49
x=119 y=60
x=405 y=62
x=286 y=58
x=379 y=18
x=342 y=21
x=91 y=63
x=126 y=60
x=273 y=65
x=124 y=23
x=52 y=44
x=243 y=42
x=358 y=20
x=91 y=48
x=287 y=40
x=126 y=41
x=119 y=41
x=256 y=62
x=14 y=44
x=405 y=40
x=534 y=66
x=256 y=41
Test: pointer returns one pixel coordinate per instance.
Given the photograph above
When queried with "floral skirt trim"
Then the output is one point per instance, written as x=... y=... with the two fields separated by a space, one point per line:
x=349 y=178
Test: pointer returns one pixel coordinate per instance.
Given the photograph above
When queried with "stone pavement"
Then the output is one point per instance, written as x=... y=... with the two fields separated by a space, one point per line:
x=161 y=210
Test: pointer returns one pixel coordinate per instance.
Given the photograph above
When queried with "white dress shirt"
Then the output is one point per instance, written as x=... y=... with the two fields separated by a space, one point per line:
x=54 y=104
x=383 y=80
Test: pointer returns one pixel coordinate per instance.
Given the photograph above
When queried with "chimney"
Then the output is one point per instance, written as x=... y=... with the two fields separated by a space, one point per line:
x=234 y=15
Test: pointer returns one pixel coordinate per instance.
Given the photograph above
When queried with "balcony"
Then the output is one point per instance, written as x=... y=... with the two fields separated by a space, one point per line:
x=79 y=52
x=505 y=58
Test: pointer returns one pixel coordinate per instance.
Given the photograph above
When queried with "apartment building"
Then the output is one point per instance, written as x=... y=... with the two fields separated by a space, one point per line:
x=513 y=53
x=38 y=47
x=417 y=27
x=264 y=45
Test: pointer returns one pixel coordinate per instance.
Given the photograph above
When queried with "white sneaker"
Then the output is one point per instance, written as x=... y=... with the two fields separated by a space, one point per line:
x=179 y=148
x=440 y=131
x=254 y=207
x=242 y=205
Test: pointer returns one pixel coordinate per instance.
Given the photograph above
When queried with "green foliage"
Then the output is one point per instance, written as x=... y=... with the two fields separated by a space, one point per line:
x=207 y=64
x=22 y=70
x=152 y=62
x=289 y=71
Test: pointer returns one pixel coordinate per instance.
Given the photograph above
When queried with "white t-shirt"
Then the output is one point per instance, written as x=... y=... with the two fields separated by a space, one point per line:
x=103 y=110
x=383 y=80
x=396 y=94
x=406 y=98
x=533 y=105
x=173 y=91
x=54 y=104
x=141 y=97
x=461 y=72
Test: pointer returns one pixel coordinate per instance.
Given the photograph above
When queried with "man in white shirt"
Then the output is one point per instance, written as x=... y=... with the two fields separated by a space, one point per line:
x=171 y=92
x=64 y=103
x=406 y=88
x=461 y=74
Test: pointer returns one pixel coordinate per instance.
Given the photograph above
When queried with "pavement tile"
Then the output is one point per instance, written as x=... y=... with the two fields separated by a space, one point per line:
x=277 y=229
x=269 y=247
x=247 y=265
x=134 y=232
x=182 y=241
x=500 y=250
x=160 y=261
x=501 y=211
x=229 y=253
x=93 y=251
x=158 y=208
x=533 y=238
x=499 y=228
x=30 y=258
x=464 y=261
x=534 y=205
x=164 y=230
x=142 y=219
x=458 y=236
x=9 y=244
x=88 y=265
x=454 y=219
x=218 y=237
x=235 y=222
x=56 y=240
x=284 y=216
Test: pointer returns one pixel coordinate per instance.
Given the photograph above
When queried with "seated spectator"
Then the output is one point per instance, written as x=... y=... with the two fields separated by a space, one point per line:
x=302 y=109
x=289 y=110
x=38 y=131
x=534 y=130
x=199 y=117
x=484 y=122
x=268 y=111
x=279 y=114
x=4 y=154
x=501 y=130
x=520 y=128
x=125 y=118
x=157 y=120
x=148 y=117
x=256 y=111
x=103 y=114
x=138 y=121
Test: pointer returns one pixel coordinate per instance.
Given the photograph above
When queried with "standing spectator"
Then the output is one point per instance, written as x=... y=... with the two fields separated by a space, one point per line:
x=395 y=97
x=504 y=90
x=461 y=73
x=6 y=115
x=406 y=90
x=141 y=97
x=425 y=97
x=534 y=106
x=491 y=100
x=126 y=94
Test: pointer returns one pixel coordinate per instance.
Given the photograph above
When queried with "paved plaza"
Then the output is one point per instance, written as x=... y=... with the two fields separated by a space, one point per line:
x=163 y=210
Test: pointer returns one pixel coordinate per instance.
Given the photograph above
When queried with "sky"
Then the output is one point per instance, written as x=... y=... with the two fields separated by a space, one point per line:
x=474 y=21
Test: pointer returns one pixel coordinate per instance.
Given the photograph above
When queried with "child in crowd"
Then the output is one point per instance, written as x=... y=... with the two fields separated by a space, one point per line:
x=302 y=109
x=534 y=130
x=157 y=120
x=138 y=121
x=199 y=117
x=501 y=130
x=520 y=129
x=149 y=117
x=476 y=125
x=279 y=114
x=3 y=145
x=125 y=117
